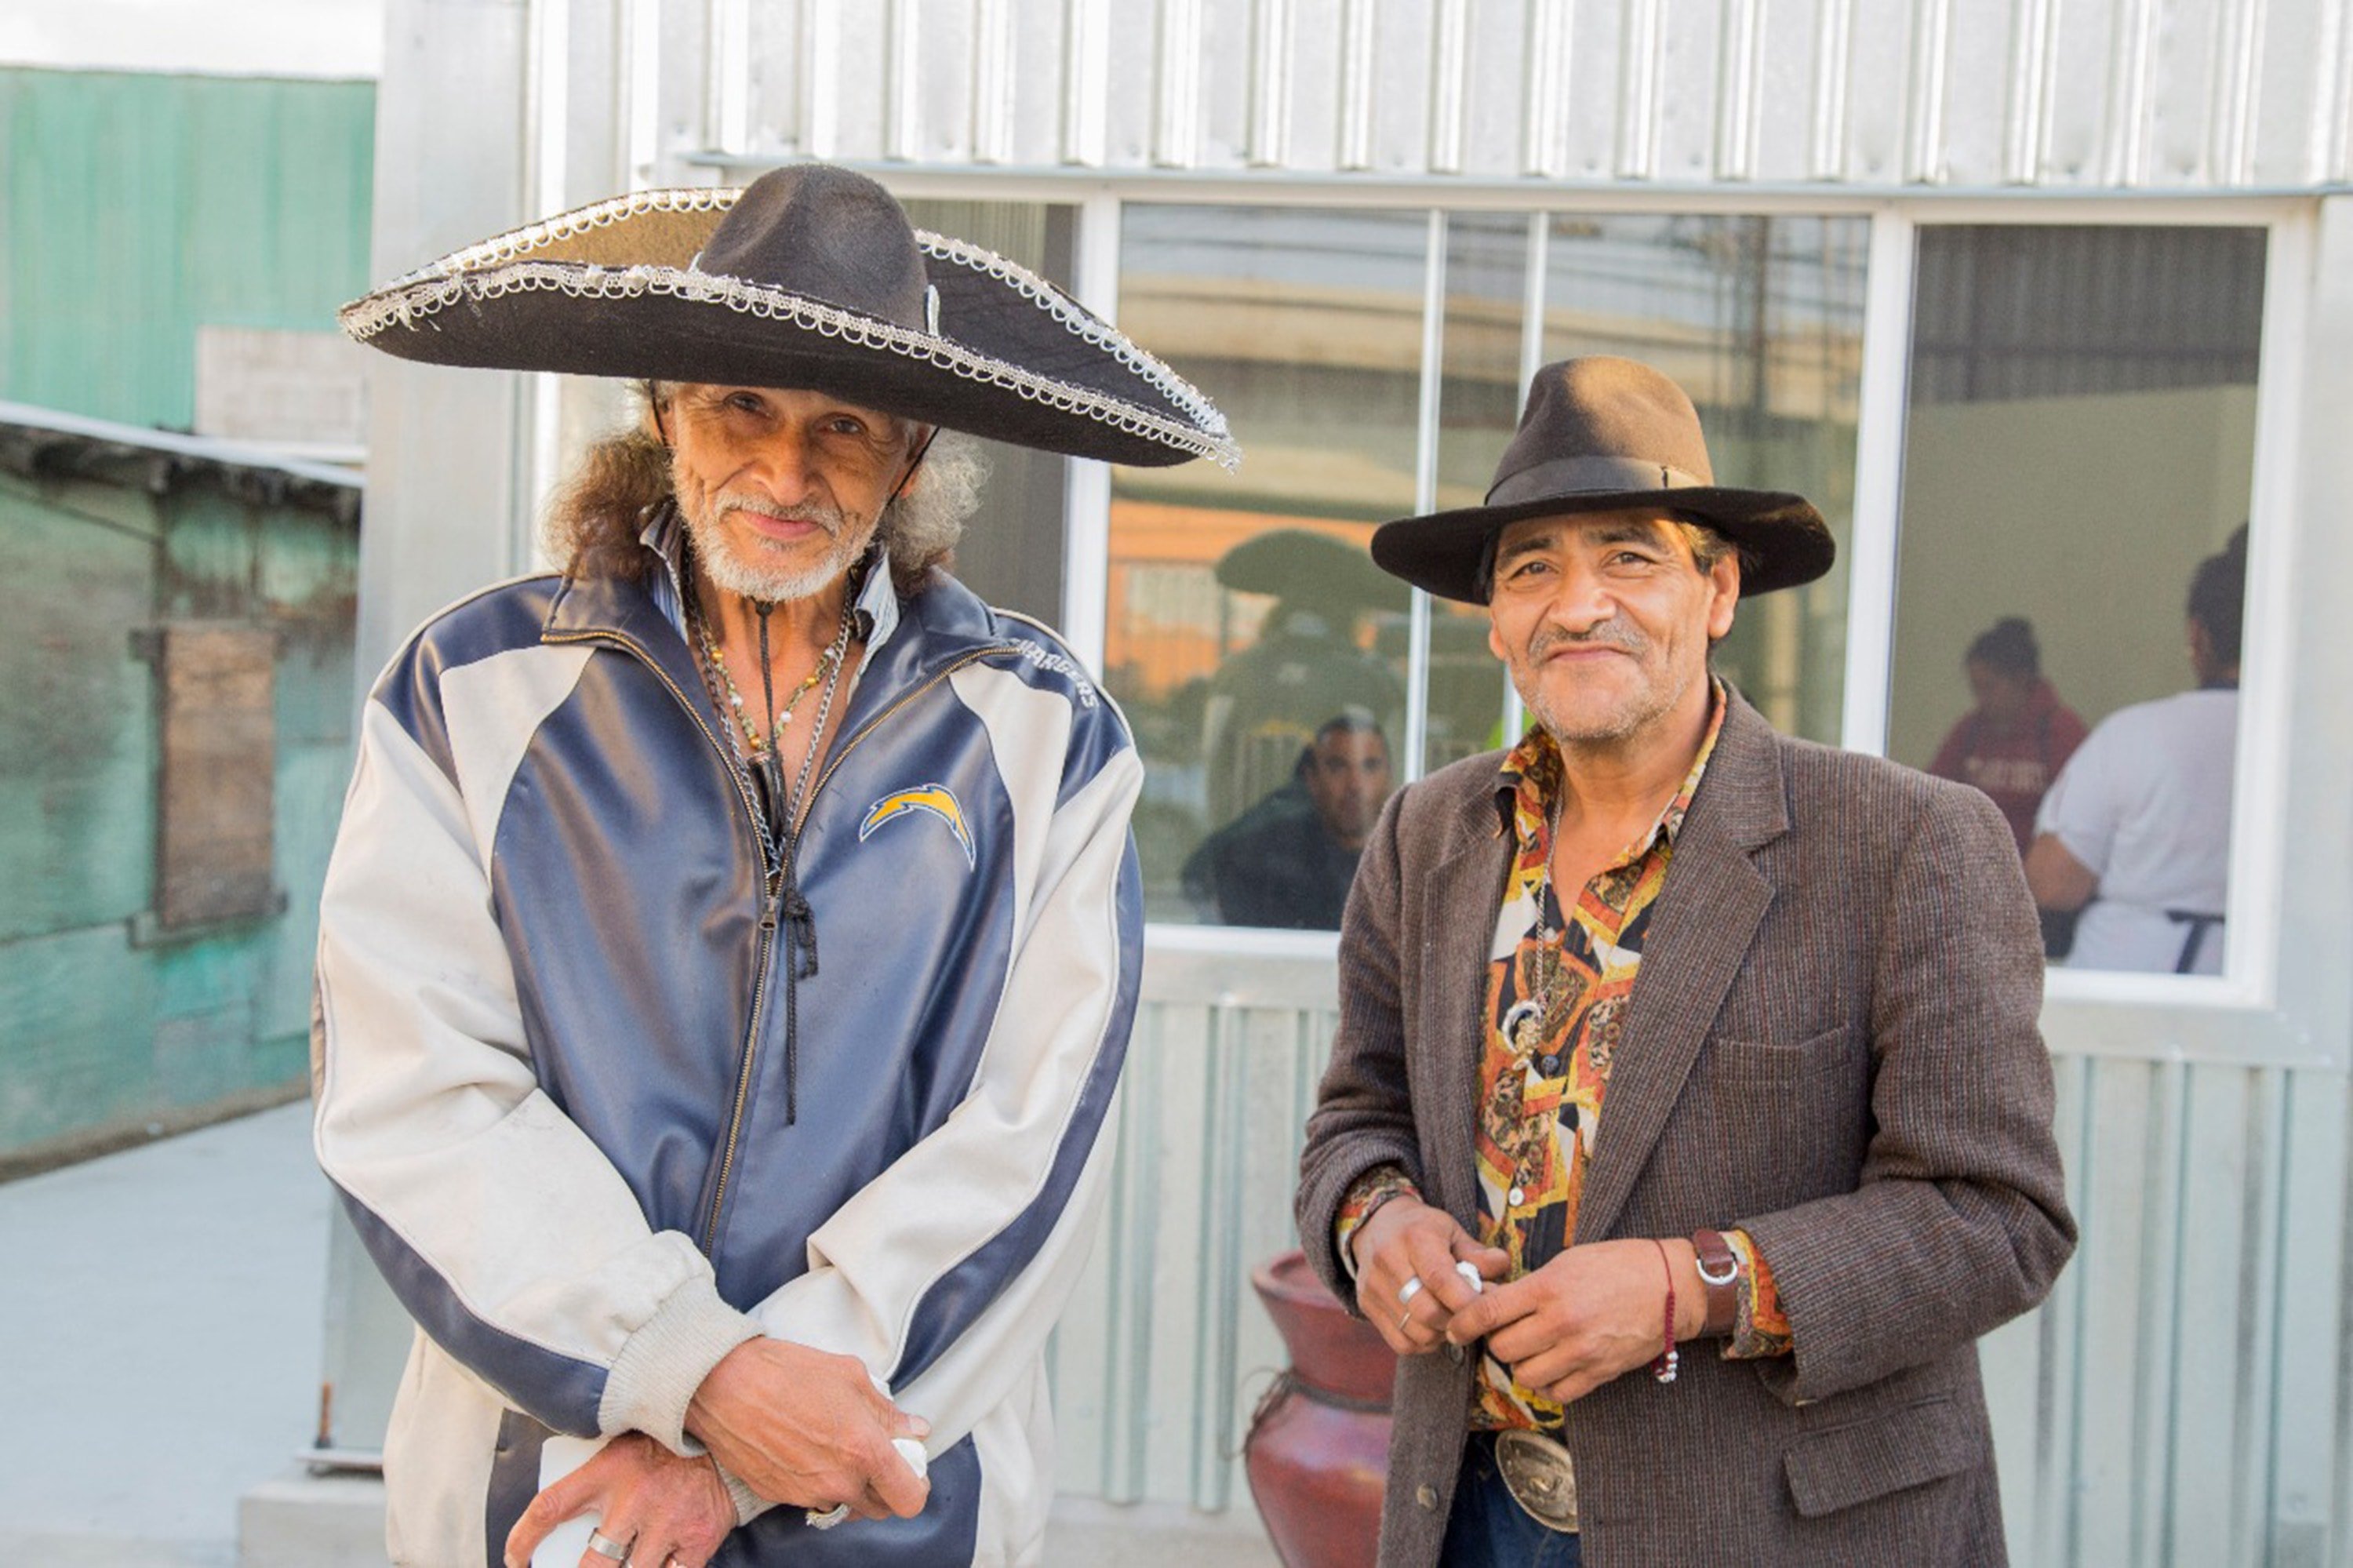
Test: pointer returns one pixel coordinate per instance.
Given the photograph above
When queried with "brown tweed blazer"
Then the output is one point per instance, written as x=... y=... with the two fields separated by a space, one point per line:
x=1832 y=1043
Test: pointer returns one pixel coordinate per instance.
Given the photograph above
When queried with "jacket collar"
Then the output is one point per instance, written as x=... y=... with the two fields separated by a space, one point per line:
x=906 y=640
x=1702 y=930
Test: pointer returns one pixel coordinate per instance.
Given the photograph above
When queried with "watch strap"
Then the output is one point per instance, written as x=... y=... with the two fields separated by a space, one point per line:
x=1719 y=1271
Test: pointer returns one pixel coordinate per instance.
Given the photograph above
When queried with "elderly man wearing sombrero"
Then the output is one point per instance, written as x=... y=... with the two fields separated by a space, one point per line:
x=1665 y=1028
x=731 y=944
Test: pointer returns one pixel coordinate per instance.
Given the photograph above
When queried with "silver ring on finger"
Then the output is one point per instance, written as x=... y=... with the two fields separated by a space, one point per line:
x=1409 y=1290
x=1403 y=1318
x=603 y=1545
x=826 y=1519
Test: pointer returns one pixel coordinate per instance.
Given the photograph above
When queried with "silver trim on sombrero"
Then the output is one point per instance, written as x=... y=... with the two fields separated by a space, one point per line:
x=495 y=267
x=517 y=243
x=1046 y=297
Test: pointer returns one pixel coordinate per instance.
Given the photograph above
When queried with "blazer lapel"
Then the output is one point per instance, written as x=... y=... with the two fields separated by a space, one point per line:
x=1461 y=897
x=1700 y=929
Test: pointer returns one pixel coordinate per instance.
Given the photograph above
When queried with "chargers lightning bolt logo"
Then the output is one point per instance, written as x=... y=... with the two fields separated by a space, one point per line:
x=937 y=798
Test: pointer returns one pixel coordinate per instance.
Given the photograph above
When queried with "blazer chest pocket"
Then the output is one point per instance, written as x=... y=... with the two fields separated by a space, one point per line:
x=1796 y=1118
x=1905 y=1447
x=1833 y=1059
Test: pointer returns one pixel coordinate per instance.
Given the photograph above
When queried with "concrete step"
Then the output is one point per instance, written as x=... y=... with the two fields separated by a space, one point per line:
x=336 y=1521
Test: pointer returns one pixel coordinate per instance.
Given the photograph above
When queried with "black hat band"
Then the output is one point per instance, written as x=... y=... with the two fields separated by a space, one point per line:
x=1567 y=477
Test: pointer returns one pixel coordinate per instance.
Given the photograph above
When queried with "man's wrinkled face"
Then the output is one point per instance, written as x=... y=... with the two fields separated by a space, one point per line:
x=781 y=489
x=1347 y=779
x=1605 y=618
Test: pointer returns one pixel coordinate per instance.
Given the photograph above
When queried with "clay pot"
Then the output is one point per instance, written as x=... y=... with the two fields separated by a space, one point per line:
x=1318 y=1448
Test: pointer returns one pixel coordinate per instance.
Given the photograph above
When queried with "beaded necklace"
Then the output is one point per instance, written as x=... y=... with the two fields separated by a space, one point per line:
x=724 y=692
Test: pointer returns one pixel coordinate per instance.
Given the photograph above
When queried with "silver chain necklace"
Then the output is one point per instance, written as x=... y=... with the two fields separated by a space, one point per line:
x=747 y=747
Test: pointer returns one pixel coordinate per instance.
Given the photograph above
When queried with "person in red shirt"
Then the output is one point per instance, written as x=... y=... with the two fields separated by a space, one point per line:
x=2013 y=743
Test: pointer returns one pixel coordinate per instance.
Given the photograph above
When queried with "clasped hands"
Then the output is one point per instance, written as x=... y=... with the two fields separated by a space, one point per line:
x=799 y=1426
x=1592 y=1312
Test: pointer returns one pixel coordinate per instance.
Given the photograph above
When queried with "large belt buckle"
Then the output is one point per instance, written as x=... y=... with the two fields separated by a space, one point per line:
x=1538 y=1474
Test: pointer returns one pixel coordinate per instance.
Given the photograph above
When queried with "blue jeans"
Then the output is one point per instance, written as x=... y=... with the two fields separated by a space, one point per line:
x=1487 y=1530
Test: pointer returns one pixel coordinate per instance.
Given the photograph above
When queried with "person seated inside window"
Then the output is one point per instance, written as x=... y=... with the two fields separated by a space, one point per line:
x=2136 y=833
x=1287 y=860
x=2013 y=743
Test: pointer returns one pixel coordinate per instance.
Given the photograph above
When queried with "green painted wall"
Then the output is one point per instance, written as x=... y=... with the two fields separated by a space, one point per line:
x=101 y=1026
x=135 y=209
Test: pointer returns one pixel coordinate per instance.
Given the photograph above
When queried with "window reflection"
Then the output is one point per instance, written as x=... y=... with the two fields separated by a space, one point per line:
x=1760 y=319
x=2078 y=454
x=1288 y=859
x=1245 y=615
x=1480 y=383
x=1252 y=640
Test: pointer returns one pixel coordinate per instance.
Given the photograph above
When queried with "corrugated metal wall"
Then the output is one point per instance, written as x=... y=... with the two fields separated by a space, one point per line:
x=2122 y=94
x=137 y=208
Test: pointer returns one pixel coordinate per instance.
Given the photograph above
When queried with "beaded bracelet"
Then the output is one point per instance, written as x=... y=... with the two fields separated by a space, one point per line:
x=1663 y=1369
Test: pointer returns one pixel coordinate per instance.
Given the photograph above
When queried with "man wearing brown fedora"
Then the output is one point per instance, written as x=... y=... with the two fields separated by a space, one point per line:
x=730 y=942
x=1687 y=1121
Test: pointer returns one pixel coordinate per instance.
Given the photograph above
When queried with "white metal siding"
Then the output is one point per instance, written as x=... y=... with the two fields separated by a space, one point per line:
x=2062 y=95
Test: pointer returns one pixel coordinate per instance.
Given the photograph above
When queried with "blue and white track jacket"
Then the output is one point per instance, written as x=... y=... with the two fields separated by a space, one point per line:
x=550 y=1053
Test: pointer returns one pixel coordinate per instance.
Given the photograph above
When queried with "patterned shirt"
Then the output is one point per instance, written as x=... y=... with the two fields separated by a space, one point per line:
x=1559 y=984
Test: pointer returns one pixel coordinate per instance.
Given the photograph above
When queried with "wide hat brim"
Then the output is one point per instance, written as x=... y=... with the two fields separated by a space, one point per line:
x=1783 y=540
x=612 y=290
x=1305 y=564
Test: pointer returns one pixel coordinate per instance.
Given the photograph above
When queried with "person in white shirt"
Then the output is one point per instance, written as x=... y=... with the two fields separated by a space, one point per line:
x=2136 y=832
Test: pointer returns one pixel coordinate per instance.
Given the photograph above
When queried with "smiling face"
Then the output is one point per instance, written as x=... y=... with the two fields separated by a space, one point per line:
x=1605 y=620
x=781 y=489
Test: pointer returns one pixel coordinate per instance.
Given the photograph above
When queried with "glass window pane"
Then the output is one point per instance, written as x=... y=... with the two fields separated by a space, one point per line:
x=2079 y=450
x=1760 y=319
x=1258 y=652
x=1478 y=408
x=1011 y=554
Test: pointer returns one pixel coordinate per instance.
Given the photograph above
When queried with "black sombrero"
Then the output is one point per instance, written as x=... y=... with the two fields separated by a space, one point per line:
x=1599 y=434
x=811 y=276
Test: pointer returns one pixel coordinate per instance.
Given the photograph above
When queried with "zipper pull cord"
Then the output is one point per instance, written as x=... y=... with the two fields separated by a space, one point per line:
x=800 y=943
x=800 y=921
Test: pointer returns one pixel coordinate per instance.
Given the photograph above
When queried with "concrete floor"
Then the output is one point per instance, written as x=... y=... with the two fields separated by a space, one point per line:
x=161 y=1316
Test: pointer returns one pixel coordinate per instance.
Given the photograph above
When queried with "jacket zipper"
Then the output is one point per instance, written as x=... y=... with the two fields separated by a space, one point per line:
x=767 y=924
x=772 y=874
x=771 y=878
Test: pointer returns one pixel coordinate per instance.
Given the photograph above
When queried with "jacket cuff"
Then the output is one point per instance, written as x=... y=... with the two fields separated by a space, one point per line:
x=749 y=1504
x=666 y=1360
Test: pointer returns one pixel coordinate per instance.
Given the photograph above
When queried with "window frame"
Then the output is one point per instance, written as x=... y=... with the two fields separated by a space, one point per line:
x=2237 y=1016
x=2240 y=1016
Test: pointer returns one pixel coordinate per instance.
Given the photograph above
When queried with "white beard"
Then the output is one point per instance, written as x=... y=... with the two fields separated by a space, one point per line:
x=736 y=570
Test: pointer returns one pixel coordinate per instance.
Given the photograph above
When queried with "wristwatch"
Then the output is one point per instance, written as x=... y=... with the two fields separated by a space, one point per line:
x=1719 y=1270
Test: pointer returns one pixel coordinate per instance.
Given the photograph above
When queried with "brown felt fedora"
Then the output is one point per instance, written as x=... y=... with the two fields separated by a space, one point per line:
x=811 y=276
x=1599 y=434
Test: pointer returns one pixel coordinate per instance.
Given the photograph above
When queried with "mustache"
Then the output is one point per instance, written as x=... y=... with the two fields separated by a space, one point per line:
x=829 y=518
x=1610 y=633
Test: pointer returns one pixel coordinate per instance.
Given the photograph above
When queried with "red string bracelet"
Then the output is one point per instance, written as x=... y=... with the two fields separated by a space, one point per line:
x=1663 y=1369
